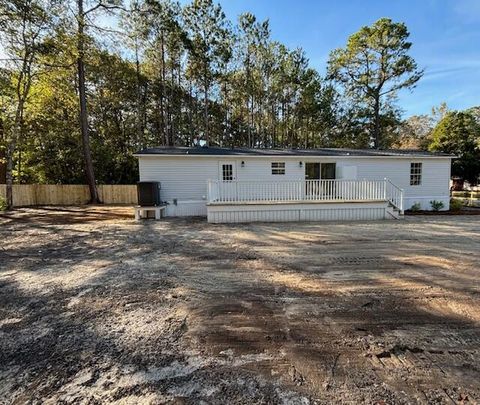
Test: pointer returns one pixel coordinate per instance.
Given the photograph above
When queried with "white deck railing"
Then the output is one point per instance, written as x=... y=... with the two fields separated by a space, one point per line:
x=220 y=192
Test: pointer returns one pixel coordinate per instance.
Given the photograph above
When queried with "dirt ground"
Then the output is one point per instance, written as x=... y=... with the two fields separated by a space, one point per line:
x=95 y=308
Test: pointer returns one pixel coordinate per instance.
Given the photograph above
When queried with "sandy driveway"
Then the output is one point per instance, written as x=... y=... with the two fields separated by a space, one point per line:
x=95 y=308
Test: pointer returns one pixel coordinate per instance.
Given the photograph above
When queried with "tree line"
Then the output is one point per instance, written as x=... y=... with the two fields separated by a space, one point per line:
x=86 y=83
x=448 y=131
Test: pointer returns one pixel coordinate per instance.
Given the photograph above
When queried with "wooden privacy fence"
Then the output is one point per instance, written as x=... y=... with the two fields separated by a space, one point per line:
x=69 y=194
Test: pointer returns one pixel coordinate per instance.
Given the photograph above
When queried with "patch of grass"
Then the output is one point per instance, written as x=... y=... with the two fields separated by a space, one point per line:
x=3 y=204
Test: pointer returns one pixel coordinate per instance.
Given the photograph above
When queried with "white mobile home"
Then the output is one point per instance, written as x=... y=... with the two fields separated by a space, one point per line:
x=244 y=185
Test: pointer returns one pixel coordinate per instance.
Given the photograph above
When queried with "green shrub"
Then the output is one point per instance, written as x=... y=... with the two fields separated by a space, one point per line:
x=436 y=205
x=3 y=204
x=416 y=207
x=455 y=204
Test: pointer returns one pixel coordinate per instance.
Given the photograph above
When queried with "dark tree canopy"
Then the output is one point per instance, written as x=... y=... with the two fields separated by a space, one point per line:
x=172 y=73
x=459 y=133
x=373 y=66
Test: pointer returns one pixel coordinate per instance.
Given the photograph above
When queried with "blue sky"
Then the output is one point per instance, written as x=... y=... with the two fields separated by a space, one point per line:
x=445 y=36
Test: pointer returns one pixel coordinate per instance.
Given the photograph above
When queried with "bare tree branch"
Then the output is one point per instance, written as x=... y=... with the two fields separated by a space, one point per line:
x=108 y=7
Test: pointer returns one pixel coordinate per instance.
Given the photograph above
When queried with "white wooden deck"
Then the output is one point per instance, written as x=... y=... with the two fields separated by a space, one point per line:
x=308 y=200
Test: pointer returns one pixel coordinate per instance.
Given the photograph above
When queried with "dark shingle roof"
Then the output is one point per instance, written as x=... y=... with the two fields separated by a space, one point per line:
x=215 y=151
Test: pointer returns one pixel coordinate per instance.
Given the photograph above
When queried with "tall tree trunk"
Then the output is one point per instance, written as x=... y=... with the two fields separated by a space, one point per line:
x=23 y=88
x=94 y=199
x=191 y=133
x=139 y=102
x=249 y=96
x=19 y=166
x=205 y=113
x=9 y=174
x=158 y=122
x=162 y=90
x=261 y=130
x=252 y=122
x=171 y=109
x=227 y=134
x=376 y=123
x=180 y=94
x=3 y=165
x=274 y=126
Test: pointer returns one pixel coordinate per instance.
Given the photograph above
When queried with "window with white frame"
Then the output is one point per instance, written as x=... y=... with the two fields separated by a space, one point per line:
x=415 y=174
x=278 y=167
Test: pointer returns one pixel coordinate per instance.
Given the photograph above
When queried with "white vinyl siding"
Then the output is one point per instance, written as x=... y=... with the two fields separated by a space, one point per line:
x=183 y=178
x=435 y=184
x=260 y=169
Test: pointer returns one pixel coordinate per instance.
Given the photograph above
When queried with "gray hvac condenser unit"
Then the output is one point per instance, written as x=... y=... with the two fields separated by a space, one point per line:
x=148 y=193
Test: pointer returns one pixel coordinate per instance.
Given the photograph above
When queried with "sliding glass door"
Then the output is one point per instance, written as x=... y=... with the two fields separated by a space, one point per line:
x=328 y=171
x=314 y=172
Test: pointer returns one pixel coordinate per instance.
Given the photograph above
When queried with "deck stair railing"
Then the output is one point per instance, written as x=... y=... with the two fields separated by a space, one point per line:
x=252 y=192
x=394 y=195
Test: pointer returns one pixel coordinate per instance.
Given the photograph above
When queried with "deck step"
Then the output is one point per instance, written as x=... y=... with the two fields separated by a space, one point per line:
x=394 y=212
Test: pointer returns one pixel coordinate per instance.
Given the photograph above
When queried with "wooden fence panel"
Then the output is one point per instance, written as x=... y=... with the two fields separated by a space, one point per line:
x=61 y=194
x=69 y=194
x=118 y=193
x=23 y=195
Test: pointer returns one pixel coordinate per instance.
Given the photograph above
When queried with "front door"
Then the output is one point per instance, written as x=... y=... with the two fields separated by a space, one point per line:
x=227 y=174
x=227 y=171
